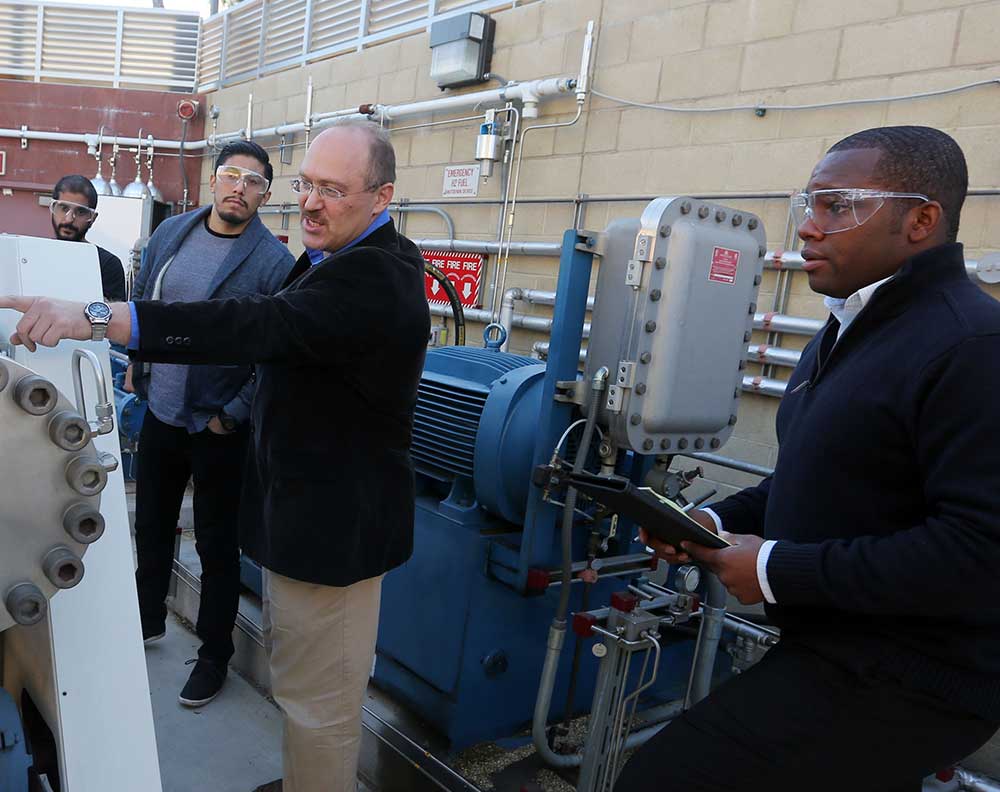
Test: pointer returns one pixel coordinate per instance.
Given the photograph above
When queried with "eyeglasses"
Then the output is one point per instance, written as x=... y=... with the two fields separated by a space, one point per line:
x=231 y=175
x=836 y=210
x=303 y=187
x=69 y=211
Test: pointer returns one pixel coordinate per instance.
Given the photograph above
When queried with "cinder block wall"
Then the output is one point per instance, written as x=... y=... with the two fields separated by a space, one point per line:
x=690 y=53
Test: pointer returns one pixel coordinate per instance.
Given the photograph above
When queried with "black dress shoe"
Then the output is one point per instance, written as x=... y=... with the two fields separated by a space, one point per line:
x=204 y=684
x=270 y=786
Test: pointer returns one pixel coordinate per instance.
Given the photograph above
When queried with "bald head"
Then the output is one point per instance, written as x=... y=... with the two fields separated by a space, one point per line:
x=381 y=157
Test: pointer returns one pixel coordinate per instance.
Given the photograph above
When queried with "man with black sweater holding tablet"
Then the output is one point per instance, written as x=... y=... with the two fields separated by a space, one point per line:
x=875 y=546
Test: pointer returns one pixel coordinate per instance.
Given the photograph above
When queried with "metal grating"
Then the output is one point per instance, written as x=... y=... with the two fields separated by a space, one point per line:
x=52 y=42
x=450 y=401
x=257 y=37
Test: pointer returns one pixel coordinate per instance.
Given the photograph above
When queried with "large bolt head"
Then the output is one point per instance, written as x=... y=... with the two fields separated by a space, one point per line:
x=86 y=475
x=83 y=523
x=69 y=431
x=26 y=604
x=35 y=395
x=62 y=567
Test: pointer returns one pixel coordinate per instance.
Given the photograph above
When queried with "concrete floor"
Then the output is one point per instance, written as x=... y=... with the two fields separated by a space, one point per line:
x=230 y=745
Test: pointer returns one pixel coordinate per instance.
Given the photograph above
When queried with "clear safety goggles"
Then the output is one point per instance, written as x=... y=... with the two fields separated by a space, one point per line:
x=68 y=211
x=833 y=211
x=231 y=175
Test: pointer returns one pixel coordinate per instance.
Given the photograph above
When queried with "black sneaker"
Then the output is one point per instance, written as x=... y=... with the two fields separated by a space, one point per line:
x=204 y=684
x=270 y=786
x=152 y=635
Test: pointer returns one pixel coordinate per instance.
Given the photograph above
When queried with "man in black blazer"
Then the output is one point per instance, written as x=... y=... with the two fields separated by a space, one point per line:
x=328 y=501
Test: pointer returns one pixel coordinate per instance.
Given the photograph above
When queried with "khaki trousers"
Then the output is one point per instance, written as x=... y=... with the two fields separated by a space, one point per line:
x=321 y=641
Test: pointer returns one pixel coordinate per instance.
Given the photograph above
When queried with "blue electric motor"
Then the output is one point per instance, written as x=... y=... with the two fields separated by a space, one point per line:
x=14 y=757
x=475 y=417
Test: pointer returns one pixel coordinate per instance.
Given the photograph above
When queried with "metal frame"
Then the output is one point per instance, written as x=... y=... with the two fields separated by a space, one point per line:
x=363 y=37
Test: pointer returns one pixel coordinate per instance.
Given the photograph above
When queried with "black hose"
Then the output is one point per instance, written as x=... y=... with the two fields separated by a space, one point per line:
x=457 y=312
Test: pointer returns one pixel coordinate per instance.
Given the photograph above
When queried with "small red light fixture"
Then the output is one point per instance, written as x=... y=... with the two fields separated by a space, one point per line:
x=187 y=109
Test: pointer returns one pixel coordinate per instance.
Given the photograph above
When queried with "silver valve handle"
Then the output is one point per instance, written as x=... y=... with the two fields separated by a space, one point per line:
x=105 y=409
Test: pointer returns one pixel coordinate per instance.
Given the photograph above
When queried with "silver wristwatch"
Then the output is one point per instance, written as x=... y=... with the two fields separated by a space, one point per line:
x=98 y=314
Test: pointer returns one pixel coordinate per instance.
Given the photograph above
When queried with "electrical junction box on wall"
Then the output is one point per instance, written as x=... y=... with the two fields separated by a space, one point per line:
x=672 y=318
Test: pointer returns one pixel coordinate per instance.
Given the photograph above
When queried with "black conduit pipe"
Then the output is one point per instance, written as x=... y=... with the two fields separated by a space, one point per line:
x=457 y=312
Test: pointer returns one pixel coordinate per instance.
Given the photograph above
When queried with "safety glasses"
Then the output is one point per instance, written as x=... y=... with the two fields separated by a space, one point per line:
x=833 y=211
x=231 y=175
x=67 y=211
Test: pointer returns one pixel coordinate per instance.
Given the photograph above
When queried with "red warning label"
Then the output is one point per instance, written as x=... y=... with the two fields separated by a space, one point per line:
x=724 y=265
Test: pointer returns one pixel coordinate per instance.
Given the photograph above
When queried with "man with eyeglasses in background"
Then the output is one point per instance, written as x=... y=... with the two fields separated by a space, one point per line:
x=74 y=210
x=196 y=426
x=328 y=500
x=876 y=542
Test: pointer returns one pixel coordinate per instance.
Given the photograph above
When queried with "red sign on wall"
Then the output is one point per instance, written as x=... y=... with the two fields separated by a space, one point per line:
x=464 y=270
x=724 y=265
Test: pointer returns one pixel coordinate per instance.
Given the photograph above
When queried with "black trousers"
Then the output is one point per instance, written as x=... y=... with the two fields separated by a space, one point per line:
x=795 y=721
x=168 y=458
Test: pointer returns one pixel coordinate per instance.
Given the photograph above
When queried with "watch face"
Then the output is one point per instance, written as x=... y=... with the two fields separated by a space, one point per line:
x=98 y=310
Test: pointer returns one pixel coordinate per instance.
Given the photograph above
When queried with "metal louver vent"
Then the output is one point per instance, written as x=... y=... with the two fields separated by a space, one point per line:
x=386 y=14
x=138 y=48
x=286 y=25
x=334 y=24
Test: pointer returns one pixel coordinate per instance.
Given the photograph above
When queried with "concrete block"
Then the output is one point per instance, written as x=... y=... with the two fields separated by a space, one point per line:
x=977 y=214
x=618 y=173
x=558 y=217
x=982 y=153
x=978 y=34
x=518 y=25
x=891 y=47
x=774 y=165
x=748 y=20
x=740 y=125
x=688 y=169
x=570 y=140
x=642 y=128
x=637 y=81
x=539 y=143
x=330 y=98
x=821 y=15
x=707 y=72
x=833 y=121
x=677 y=30
x=380 y=58
x=563 y=16
x=431 y=146
x=769 y=64
x=543 y=58
x=910 y=6
x=361 y=92
x=346 y=68
x=602 y=130
x=551 y=176
x=269 y=88
x=619 y=11
x=270 y=113
x=411 y=182
x=295 y=107
x=397 y=87
x=401 y=144
x=415 y=50
x=966 y=108
x=612 y=46
x=809 y=304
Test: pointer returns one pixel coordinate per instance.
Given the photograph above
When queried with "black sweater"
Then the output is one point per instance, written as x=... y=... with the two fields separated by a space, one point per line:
x=885 y=499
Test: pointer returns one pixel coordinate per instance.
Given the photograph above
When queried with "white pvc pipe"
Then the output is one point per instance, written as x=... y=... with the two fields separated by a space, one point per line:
x=529 y=91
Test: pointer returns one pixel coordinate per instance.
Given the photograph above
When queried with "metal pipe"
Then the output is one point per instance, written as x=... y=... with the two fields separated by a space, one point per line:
x=728 y=462
x=973 y=782
x=762 y=353
x=713 y=616
x=507 y=312
x=475 y=246
x=783 y=323
x=539 y=324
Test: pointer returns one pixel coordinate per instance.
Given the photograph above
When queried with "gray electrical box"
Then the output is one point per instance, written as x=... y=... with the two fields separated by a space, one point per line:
x=676 y=295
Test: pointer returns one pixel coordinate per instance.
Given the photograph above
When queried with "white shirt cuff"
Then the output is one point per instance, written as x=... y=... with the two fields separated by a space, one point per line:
x=762 y=555
x=715 y=518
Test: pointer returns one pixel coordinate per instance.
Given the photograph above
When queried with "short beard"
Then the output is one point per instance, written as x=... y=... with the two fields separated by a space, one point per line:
x=78 y=235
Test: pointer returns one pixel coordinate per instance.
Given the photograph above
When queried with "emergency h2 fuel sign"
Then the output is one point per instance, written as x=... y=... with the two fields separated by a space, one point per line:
x=464 y=270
